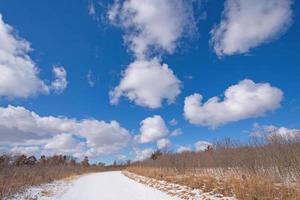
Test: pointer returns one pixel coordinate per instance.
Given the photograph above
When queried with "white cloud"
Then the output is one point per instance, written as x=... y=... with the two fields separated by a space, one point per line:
x=18 y=72
x=60 y=82
x=64 y=144
x=152 y=24
x=150 y=27
x=274 y=132
x=163 y=143
x=182 y=149
x=247 y=24
x=152 y=129
x=176 y=132
x=173 y=122
x=91 y=8
x=25 y=150
x=148 y=84
x=143 y=154
x=19 y=75
x=90 y=79
x=19 y=126
x=202 y=145
x=244 y=100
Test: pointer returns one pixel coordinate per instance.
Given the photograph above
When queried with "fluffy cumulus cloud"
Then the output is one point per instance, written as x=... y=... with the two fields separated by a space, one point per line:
x=64 y=144
x=152 y=129
x=272 y=132
x=19 y=75
x=148 y=84
x=247 y=24
x=163 y=143
x=202 y=145
x=245 y=100
x=152 y=24
x=150 y=27
x=18 y=72
x=143 y=154
x=23 y=129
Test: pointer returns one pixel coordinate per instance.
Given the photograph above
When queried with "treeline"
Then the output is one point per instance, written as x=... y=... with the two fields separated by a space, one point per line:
x=257 y=170
x=23 y=160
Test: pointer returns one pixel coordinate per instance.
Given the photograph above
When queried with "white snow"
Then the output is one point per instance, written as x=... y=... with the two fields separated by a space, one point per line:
x=45 y=191
x=111 y=186
x=104 y=186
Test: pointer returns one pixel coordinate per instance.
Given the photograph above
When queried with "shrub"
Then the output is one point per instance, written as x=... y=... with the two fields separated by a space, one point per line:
x=266 y=169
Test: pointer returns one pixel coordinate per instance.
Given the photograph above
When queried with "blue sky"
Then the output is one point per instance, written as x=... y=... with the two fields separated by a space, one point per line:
x=95 y=50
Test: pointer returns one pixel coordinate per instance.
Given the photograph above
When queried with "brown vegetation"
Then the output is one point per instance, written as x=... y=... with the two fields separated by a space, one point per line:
x=262 y=171
x=19 y=172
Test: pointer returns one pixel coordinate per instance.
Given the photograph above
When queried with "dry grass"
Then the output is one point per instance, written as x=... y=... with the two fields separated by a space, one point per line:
x=248 y=172
x=245 y=188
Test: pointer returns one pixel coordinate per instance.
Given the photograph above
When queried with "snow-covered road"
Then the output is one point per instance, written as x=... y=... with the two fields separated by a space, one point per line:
x=110 y=186
x=113 y=186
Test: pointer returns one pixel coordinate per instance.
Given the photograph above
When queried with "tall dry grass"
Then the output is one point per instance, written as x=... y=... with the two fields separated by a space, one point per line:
x=259 y=170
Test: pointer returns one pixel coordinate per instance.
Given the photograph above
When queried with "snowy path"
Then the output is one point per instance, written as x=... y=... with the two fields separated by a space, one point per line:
x=113 y=186
x=110 y=186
